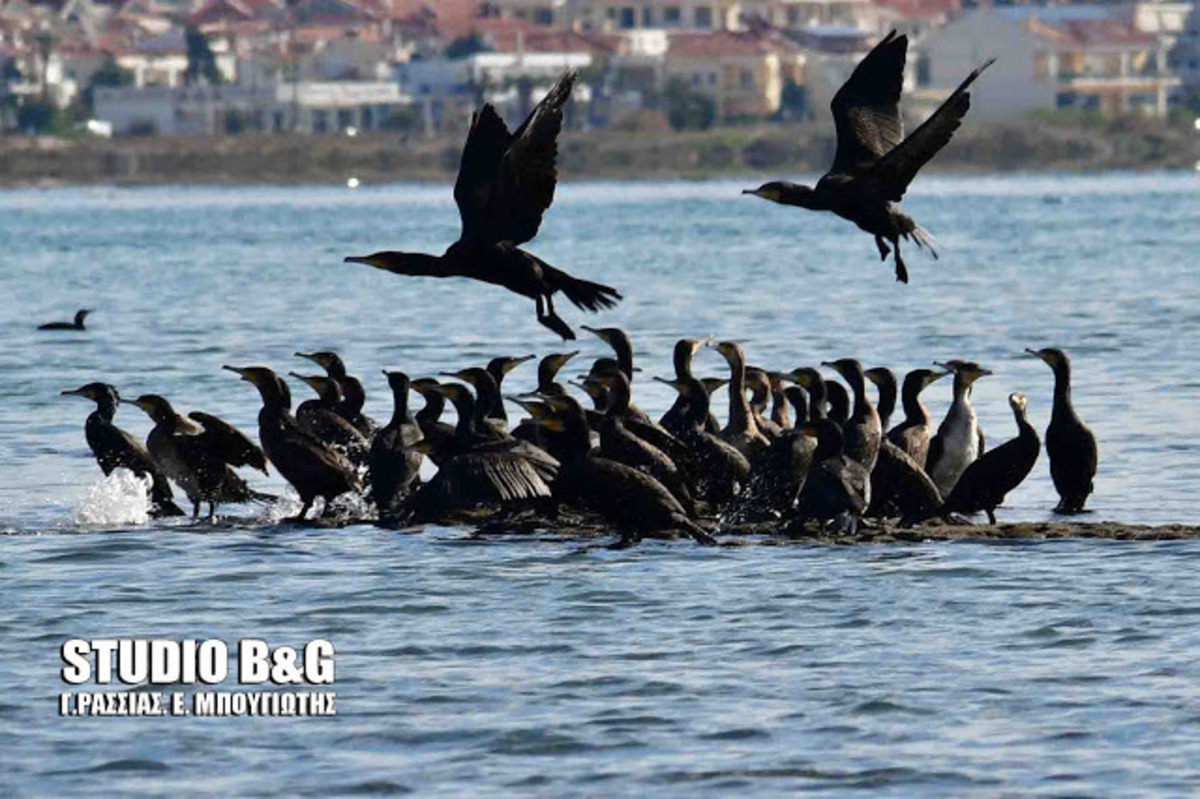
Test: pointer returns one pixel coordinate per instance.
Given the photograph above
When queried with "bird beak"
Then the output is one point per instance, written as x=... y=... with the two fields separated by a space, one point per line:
x=72 y=392
x=309 y=380
x=240 y=372
x=752 y=192
x=1036 y=354
x=362 y=259
x=424 y=446
x=459 y=375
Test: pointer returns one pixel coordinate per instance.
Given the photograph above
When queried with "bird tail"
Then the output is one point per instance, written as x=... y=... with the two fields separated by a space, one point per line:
x=923 y=239
x=583 y=294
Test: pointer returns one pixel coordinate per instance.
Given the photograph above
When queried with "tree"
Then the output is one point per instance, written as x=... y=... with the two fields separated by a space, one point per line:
x=688 y=109
x=202 y=64
x=468 y=45
x=109 y=73
x=793 y=102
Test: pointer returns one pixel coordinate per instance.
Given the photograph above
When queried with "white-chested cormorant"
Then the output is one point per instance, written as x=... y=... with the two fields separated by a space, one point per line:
x=986 y=481
x=353 y=396
x=393 y=465
x=197 y=459
x=959 y=439
x=312 y=467
x=80 y=315
x=874 y=162
x=914 y=433
x=505 y=184
x=114 y=448
x=1069 y=443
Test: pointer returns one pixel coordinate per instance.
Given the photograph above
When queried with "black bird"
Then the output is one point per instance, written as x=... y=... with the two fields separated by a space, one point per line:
x=720 y=470
x=80 y=315
x=685 y=350
x=837 y=401
x=988 y=479
x=885 y=382
x=761 y=394
x=237 y=448
x=862 y=432
x=1069 y=443
x=875 y=162
x=197 y=459
x=499 y=368
x=114 y=448
x=741 y=431
x=354 y=397
x=439 y=434
x=320 y=418
x=505 y=184
x=838 y=487
x=393 y=465
x=913 y=434
x=313 y=469
x=547 y=386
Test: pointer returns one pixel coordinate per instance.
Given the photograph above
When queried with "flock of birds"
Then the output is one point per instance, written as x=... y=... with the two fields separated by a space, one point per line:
x=797 y=448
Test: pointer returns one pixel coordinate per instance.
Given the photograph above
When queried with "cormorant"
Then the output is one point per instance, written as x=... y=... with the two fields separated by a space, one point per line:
x=837 y=401
x=899 y=486
x=759 y=385
x=817 y=387
x=393 y=466
x=114 y=448
x=838 y=487
x=1069 y=443
x=197 y=459
x=685 y=350
x=622 y=347
x=433 y=430
x=350 y=407
x=959 y=439
x=313 y=468
x=986 y=481
x=875 y=162
x=630 y=499
x=720 y=470
x=547 y=386
x=239 y=450
x=499 y=368
x=487 y=394
x=779 y=401
x=885 y=382
x=861 y=432
x=505 y=184
x=741 y=431
x=913 y=434
x=321 y=419
x=80 y=315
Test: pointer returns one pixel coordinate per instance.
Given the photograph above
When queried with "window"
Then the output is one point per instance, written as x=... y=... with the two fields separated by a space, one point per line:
x=746 y=79
x=712 y=79
x=672 y=17
x=704 y=17
x=625 y=18
x=697 y=78
x=319 y=121
x=1064 y=100
x=543 y=16
x=647 y=18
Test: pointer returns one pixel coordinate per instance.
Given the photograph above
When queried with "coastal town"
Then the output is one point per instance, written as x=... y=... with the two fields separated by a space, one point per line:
x=127 y=68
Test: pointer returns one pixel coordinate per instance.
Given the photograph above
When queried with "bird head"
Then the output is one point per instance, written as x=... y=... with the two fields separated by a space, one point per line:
x=1017 y=402
x=329 y=361
x=1053 y=356
x=848 y=368
x=156 y=407
x=96 y=392
x=397 y=381
x=499 y=367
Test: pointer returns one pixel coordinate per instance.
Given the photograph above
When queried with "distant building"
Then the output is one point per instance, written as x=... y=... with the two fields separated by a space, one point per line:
x=1086 y=57
x=1184 y=57
x=744 y=73
x=216 y=110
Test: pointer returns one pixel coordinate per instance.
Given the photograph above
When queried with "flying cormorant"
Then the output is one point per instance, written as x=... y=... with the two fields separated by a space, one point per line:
x=875 y=162
x=1069 y=443
x=505 y=184
x=80 y=315
x=115 y=448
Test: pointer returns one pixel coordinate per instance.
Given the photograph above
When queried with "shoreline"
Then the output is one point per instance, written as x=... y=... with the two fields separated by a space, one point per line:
x=1031 y=146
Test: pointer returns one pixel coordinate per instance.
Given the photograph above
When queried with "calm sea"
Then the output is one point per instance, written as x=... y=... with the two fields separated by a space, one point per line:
x=513 y=664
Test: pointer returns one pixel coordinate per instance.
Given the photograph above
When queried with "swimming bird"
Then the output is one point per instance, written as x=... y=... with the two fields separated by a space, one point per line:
x=875 y=163
x=959 y=439
x=353 y=396
x=505 y=184
x=986 y=481
x=312 y=467
x=80 y=315
x=914 y=433
x=196 y=459
x=393 y=465
x=1069 y=443
x=114 y=448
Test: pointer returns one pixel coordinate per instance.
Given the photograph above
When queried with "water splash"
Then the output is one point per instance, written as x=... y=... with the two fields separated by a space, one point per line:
x=120 y=498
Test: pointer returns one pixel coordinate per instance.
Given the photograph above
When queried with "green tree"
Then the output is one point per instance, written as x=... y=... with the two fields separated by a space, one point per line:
x=202 y=64
x=793 y=103
x=42 y=117
x=688 y=109
x=109 y=73
x=468 y=45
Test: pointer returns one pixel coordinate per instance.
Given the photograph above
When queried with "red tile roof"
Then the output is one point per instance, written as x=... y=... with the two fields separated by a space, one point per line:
x=720 y=43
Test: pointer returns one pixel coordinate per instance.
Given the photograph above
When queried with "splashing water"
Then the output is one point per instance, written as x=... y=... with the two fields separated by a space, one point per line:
x=120 y=498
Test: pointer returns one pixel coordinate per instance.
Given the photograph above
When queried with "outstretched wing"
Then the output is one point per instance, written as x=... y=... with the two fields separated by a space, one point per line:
x=896 y=170
x=507 y=181
x=229 y=443
x=479 y=171
x=866 y=110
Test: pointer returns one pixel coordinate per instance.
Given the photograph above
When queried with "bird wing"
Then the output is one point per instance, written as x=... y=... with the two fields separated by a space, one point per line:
x=230 y=444
x=529 y=169
x=866 y=110
x=895 y=170
x=478 y=172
